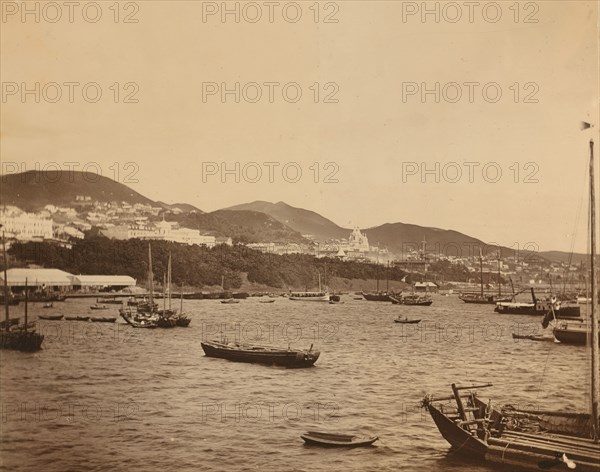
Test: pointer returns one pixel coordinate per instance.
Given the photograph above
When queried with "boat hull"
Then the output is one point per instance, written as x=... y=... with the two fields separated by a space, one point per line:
x=528 y=451
x=268 y=357
x=337 y=440
x=377 y=297
x=26 y=341
x=310 y=296
x=576 y=335
x=457 y=437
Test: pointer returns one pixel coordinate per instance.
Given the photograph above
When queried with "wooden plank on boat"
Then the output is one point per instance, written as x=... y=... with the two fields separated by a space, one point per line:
x=564 y=440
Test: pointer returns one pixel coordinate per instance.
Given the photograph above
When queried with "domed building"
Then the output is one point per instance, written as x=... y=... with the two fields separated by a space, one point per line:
x=358 y=241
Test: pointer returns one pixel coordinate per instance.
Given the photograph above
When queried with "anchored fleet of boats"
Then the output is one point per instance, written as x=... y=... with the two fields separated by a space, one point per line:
x=528 y=439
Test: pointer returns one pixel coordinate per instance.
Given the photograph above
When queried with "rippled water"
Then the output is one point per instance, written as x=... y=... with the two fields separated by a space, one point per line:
x=109 y=397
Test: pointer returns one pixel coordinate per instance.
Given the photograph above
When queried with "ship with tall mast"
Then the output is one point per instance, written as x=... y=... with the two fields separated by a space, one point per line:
x=379 y=296
x=528 y=439
x=17 y=337
x=318 y=296
x=483 y=298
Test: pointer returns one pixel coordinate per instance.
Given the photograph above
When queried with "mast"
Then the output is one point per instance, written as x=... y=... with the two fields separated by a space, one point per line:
x=169 y=279
x=6 y=325
x=377 y=268
x=499 y=282
x=319 y=273
x=164 y=294
x=181 y=300
x=26 y=299
x=481 y=272
x=150 y=277
x=387 y=278
x=595 y=394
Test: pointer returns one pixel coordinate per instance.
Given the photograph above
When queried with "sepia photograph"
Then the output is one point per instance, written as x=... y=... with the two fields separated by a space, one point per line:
x=299 y=236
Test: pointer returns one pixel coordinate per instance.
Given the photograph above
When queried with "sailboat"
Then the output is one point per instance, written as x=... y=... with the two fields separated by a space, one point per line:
x=378 y=296
x=582 y=332
x=14 y=336
x=528 y=439
x=144 y=314
x=482 y=298
x=169 y=316
x=320 y=296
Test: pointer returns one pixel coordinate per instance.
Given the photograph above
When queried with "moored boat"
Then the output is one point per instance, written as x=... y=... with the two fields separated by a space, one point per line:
x=98 y=307
x=534 y=337
x=109 y=301
x=260 y=354
x=406 y=320
x=309 y=296
x=572 y=332
x=377 y=297
x=97 y=319
x=11 y=322
x=317 y=438
x=14 y=336
x=77 y=318
x=530 y=439
x=483 y=299
x=411 y=300
x=51 y=317
x=317 y=296
x=138 y=320
x=230 y=301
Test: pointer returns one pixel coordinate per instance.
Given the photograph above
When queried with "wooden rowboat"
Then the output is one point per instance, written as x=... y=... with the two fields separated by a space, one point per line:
x=406 y=321
x=51 y=317
x=337 y=440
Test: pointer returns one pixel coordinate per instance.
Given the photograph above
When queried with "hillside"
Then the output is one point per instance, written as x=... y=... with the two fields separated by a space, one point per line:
x=241 y=226
x=396 y=237
x=33 y=190
x=301 y=220
x=185 y=207
x=402 y=237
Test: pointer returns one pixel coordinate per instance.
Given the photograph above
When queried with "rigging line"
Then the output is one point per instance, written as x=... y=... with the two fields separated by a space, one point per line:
x=574 y=232
x=543 y=376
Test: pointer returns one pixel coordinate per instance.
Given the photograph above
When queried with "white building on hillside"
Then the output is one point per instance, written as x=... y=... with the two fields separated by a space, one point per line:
x=25 y=226
x=358 y=241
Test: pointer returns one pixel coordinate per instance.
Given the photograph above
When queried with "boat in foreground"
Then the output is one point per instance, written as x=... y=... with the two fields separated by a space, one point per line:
x=529 y=439
x=573 y=332
x=337 y=440
x=260 y=354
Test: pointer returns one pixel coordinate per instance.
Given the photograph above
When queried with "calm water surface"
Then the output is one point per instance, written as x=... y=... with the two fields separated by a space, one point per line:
x=108 y=397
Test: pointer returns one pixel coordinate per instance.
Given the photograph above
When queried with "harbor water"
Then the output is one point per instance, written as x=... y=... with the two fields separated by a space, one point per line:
x=104 y=396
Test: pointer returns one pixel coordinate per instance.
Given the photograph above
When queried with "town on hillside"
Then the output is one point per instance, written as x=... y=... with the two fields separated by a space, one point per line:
x=64 y=225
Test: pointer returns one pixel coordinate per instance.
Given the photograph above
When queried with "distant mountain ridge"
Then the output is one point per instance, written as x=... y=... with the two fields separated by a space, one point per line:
x=32 y=190
x=299 y=219
x=396 y=237
x=258 y=221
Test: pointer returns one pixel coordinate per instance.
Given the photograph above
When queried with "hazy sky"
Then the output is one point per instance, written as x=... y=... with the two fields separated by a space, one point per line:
x=372 y=134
